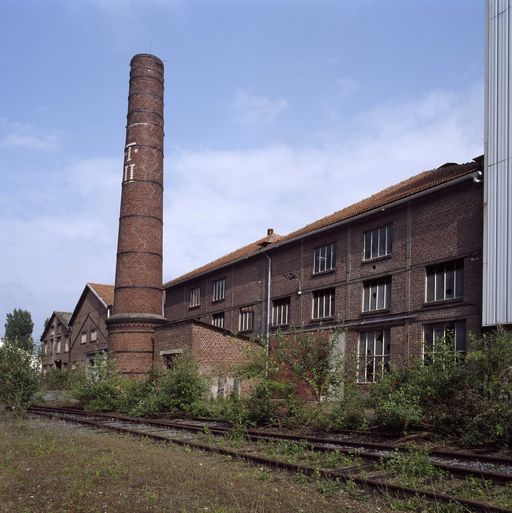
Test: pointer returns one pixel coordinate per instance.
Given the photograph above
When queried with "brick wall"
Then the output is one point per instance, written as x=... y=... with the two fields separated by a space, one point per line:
x=438 y=227
x=217 y=351
x=90 y=316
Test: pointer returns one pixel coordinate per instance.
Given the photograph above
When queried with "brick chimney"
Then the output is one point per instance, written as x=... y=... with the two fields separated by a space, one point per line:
x=137 y=308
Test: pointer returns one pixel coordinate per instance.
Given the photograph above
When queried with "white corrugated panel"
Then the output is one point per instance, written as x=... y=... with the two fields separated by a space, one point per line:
x=497 y=289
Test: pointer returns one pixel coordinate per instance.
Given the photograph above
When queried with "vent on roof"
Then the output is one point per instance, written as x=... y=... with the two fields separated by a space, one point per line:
x=270 y=231
x=448 y=164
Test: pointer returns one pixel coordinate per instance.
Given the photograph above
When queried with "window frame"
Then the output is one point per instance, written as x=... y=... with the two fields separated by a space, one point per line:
x=451 y=271
x=331 y=292
x=195 y=297
x=246 y=318
x=382 y=358
x=217 y=316
x=83 y=337
x=326 y=254
x=280 y=315
x=369 y=286
x=369 y=245
x=457 y=326
x=219 y=290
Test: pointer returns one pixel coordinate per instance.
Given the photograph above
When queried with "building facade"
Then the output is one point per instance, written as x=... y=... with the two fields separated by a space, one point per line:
x=55 y=342
x=397 y=271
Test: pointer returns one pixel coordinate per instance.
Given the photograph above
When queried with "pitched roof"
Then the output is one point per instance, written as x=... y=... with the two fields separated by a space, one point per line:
x=63 y=317
x=104 y=292
x=409 y=187
x=246 y=251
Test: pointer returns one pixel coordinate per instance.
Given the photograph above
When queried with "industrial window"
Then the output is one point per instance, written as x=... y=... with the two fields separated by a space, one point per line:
x=219 y=289
x=281 y=312
x=170 y=360
x=246 y=318
x=83 y=338
x=324 y=258
x=376 y=294
x=218 y=320
x=374 y=352
x=450 y=332
x=195 y=297
x=378 y=242
x=94 y=336
x=445 y=281
x=323 y=304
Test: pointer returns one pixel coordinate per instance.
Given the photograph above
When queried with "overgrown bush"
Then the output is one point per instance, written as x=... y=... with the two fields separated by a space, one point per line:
x=182 y=388
x=470 y=398
x=103 y=388
x=19 y=376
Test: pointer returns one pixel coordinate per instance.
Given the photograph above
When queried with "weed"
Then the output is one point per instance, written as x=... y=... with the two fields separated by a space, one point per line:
x=413 y=467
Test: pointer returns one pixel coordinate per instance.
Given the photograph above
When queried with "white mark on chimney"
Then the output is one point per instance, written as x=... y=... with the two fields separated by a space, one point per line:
x=128 y=168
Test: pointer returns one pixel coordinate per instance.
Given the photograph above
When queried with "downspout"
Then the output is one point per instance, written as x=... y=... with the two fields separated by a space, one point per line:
x=267 y=319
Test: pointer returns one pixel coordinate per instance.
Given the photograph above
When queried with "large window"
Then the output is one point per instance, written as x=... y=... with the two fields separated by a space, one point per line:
x=219 y=289
x=377 y=294
x=374 y=351
x=445 y=281
x=324 y=258
x=246 y=320
x=218 y=320
x=323 y=304
x=281 y=311
x=378 y=242
x=452 y=332
x=195 y=297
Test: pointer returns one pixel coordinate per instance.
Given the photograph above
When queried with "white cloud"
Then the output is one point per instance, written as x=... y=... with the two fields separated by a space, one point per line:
x=253 y=110
x=27 y=136
x=219 y=200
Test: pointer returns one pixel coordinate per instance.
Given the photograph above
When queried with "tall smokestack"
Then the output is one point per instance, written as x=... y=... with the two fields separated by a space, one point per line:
x=138 y=285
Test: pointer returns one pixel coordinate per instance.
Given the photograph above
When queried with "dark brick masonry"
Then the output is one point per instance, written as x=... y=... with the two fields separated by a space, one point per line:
x=138 y=284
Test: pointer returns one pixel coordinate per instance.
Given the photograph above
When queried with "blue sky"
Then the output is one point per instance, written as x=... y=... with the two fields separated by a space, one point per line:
x=277 y=113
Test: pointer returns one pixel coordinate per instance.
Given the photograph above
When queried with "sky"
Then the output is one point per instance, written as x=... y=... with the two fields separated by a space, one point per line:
x=277 y=112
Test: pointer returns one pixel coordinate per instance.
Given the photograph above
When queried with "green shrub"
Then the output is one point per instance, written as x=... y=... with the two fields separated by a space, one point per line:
x=469 y=397
x=182 y=388
x=19 y=377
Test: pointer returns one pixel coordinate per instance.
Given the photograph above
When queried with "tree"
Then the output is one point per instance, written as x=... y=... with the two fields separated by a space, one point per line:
x=19 y=376
x=314 y=357
x=18 y=329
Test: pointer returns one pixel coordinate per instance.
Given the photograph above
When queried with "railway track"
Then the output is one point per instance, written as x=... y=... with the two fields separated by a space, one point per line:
x=366 y=469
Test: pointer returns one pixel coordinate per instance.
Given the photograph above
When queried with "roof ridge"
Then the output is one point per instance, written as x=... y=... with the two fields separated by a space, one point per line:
x=407 y=187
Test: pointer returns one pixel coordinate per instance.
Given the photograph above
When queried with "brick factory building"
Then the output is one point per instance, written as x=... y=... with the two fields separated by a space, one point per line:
x=396 y=271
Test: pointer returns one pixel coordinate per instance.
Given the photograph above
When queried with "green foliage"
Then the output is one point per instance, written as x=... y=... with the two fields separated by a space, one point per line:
x=469 y=397
x=58 y=379
x=103 y=388
x=413 y=467
x=18 y=329
x=99 y=388
x=313 y=357
x=182 y=388
x=19 y=376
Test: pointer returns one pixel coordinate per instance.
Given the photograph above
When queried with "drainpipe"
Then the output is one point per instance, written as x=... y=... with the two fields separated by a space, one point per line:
x=267 y=320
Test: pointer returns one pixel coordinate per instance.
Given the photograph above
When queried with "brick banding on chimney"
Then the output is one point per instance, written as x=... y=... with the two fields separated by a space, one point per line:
x=137 y=308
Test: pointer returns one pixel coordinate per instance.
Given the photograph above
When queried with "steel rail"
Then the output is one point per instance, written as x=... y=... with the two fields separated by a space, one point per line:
x=327 y=445
x=343 y=474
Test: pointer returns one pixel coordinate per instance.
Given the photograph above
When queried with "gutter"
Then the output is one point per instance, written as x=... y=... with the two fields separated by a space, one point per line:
x=341 y=223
